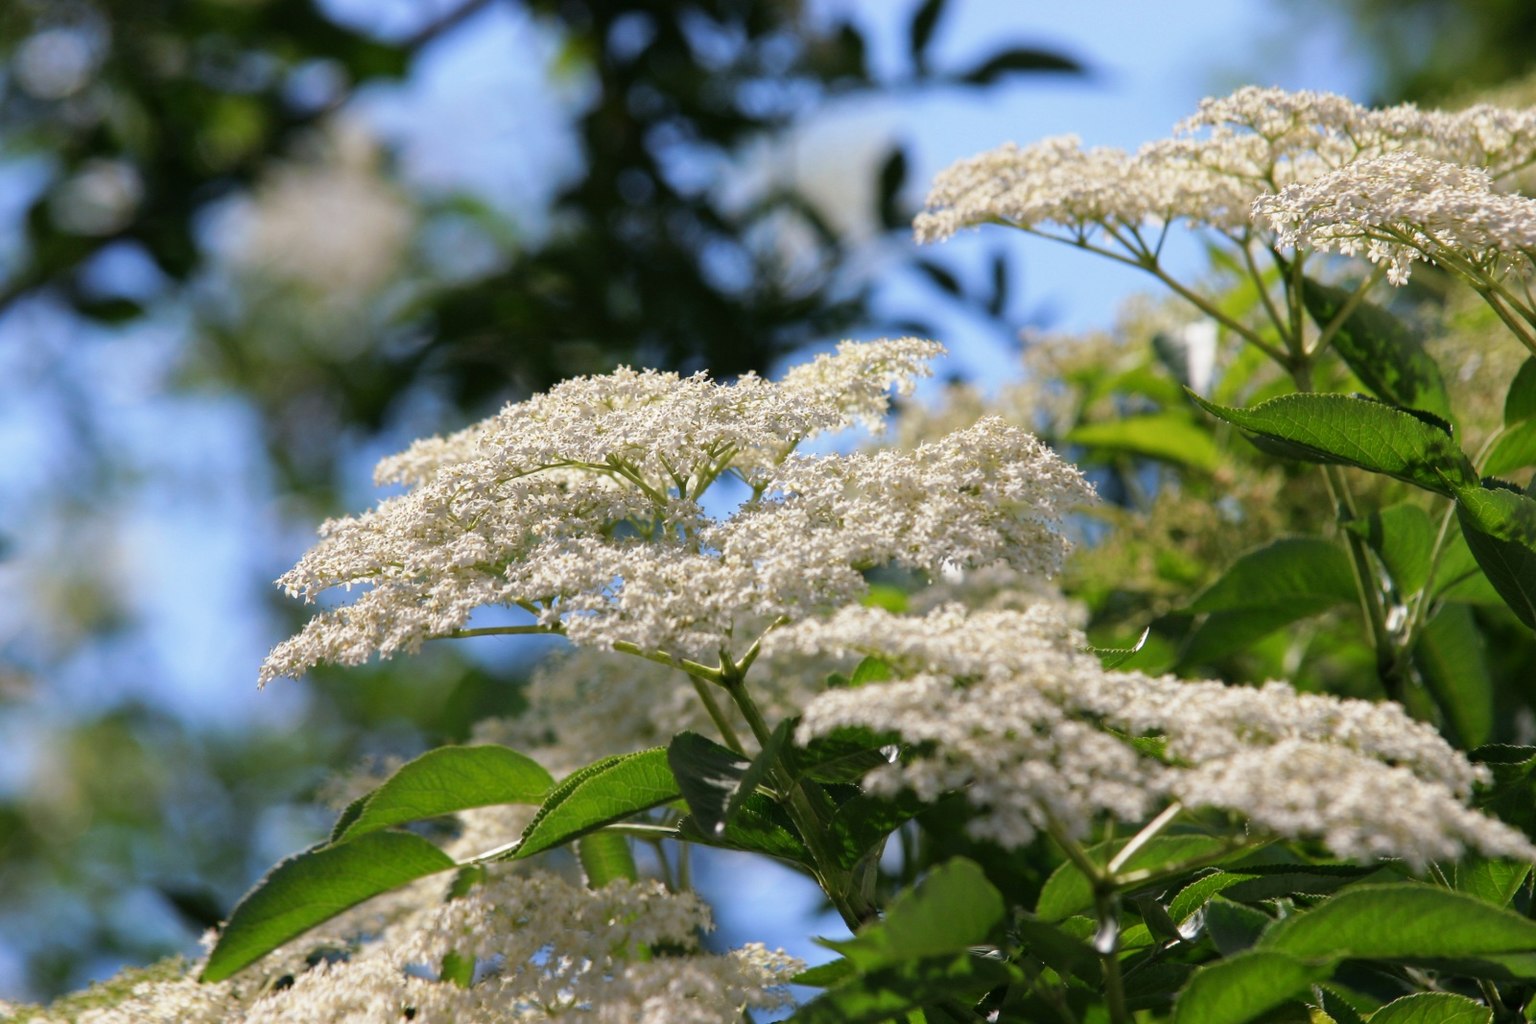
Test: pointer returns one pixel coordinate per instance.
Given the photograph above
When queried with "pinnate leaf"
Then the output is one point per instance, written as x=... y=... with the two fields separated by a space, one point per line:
x=1401 y=922
x=709 y=776
x=1307 y=573
x=1500 y=528
x=1355 y=432
x=1068 y=890
x=1433 y=1008
x=605 y=856
x=1404 y=537
x=948 y=912
x=1520 y=401
x=1384 y=353
x=600 y=794
x=1168 y=436
x=1515 y=449
x=314 y=886
x=1239 y=988
x=443 y=781
x=1452 y=659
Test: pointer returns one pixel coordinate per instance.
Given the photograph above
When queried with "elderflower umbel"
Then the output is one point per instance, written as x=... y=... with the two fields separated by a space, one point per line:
x=1230 y=153
x=582 y=507
x=544 y=949
x=1010 y=710
x=1405 y=207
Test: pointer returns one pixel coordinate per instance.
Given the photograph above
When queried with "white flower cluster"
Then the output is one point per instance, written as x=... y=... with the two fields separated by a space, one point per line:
x=1008 y=708
x=1241 y=149
x=544 y=949
x=582 y=506
x=1405 y=207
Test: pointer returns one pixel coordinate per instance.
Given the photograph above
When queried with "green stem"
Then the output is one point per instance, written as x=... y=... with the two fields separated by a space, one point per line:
x=1149 y=264
x=1245 y=245
x=1389 y=664
x=1420 y=610
x=1519 y=330
x=1109 y=953
x=1142 y=838
x=692 y=668
x=462 y=634
x=717 y=714
x=1356 y=299
x=807 y=814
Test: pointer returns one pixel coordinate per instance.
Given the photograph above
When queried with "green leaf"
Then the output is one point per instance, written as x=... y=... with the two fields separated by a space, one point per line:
x=1433 y=1008
x=1234 y=927
x=952 y=909
x=1453 y=662
x=1520 y=400
x=1068 y=890
x=941 y=277
x=1387 y=357
x=1114 y=657
x=604 y=857
x=600 y=794
x=888 y=994
x=314 y=886
x=920 y=33
x=1273 y=881
x=1491 y=880
x=833 y=972
x=1155 y=918
x=1297 y=572
x=1458 y=577
x=997 y=303
x=1355 y=432
x=1168 y=436
x=883 y=595
x=1016 y=60
x=762 y=766
x=1511 y=796
x=1515 y=449
x=1198 y=893
x=1333 y=1002
x=846 y=755
x=1153 y=985
x=460 y=970
x=860 y=823
x=1289 y=579
x=465 y=879
x=443 y=781
x=870 y=670
x=1404 y=537
x=758 y=826
x=893 y=174
x=1241 y=987
x=1223 y=633
x=1063 y=953
x=1500 y=528
x=709 y=776
x=1401 y=922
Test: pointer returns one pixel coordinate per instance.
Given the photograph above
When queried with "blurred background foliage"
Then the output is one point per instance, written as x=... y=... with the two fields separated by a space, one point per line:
x=1435 y=51
x=208 y=219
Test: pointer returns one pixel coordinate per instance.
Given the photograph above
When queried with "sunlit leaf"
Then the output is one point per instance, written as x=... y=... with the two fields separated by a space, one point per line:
x=314 y=886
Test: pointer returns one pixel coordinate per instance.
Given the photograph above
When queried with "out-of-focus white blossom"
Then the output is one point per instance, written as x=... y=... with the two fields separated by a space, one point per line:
x=330 y=223
x=1009 y=709
x=545 y=950
x=582 y=507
